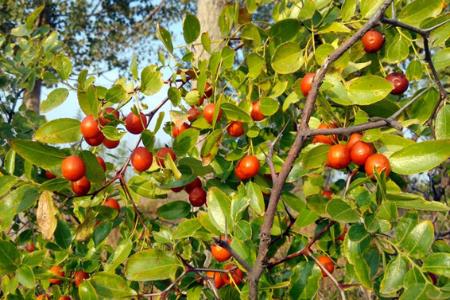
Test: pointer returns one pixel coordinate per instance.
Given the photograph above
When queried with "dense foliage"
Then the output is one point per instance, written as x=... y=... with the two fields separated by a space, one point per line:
x=313 y=148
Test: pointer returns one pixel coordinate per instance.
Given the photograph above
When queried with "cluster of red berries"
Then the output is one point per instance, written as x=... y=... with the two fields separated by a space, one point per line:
x=372 y=42
x=78 y=278
x=90 y=128
x=223 y=278
x=197 y=195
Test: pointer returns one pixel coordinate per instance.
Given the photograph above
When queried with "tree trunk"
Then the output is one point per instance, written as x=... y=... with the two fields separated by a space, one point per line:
x=32 y=99
x=208 y=12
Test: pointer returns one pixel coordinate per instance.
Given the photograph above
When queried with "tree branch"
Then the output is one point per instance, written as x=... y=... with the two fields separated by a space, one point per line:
x=224 y=244
x=297 y=145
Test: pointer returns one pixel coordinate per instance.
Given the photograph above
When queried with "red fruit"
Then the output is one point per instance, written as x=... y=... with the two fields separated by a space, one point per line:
x=256 y=113
x=108 y=115
x=42 y=297
x=29 y=247
x=327 y=194
x=399 y=83
x=208 y=90
x=193 y=114
x=73 y=168
x=306 y=83
x=247 y=167
x=338 y=156
x=89 y=127
x=178 y=129
x=433 y=277
x=197 y=197
x=136 y=124
x=49 y=175
x=190 y=186
x=96 y=140
x=64 y=298
x=81 y=187
x=79 y=277
x=235 y=128
x=101 y=162
x=208 y=113
x=372 y=41
x=342 y=236
x=219 y=253
x=218 y=278
x=377 y=162
x=327 y=263
x=360 y=152
x=112 y=203
x=162 y=153
x=58 y=271
x=110 y=144
x=325 y=139
x=177 y=189
x=236 y=274
x=353 y=139
x=141 y=159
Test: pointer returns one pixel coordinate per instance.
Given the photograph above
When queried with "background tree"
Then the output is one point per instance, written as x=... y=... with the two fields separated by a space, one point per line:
x=312 y=127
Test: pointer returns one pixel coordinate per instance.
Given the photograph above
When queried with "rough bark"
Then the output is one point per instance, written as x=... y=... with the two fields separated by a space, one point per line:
x=208 y=12
x=32 y=99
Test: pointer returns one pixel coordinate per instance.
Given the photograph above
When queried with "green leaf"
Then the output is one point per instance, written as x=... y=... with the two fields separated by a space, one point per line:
x=414 y=70
x=62 y=65
x=116 y=94
x=6 y=183
x=9 y=257
x=152 y=264
x=417 y=11
x=235 y=113
x=256 y=64
x=437 y=263
x=59 y=131
x=425 y=155
x=368 y=7
x=305 y=281
x=25 y=276
x=54 y=99
x=94 y=172
x=393 y=276
x=342 y=212
x=151 y=81
x=86 y=291
x=315 y=157
x=10 y=161
x=354 y=253
x=38 y=154
x=441 y=59
x=211 y=145
x=206 y=42
x=174 y=210
x=442 y=123
x=185 y=141
x=119 y=255
x=418 y=241
x=269 y=106
x=288 y=58
x=174 y=95
x=416 y=202
x=423 y=108
x=63 y=236
x=111 y=286
x=134 y=67
x=368 y=89
x=186 y=228
x=88 y=101
x=191 y=28
x=219 y=209
x=255 y=195
x=101 y=232
x=398 y=51
x=285 y=30
x=348 y=10
x=165 y=37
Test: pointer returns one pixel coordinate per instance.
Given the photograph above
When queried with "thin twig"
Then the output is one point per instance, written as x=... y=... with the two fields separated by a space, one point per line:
x=224 y=244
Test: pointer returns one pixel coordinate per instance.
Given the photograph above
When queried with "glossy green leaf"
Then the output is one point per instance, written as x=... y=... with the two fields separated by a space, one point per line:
x=442 y=123
x=423 y=108
x=55 y=98
x=305 y=281
x=437 y=263
x=94 y=171
x=174 y=210
x=393 y=276
x=235 y=113
x=186 y=228
x=368 y=89
x=425 y=155
x=186 y=141
x=119 y=255
x=353 y=251
x=151 y=81
x=398 y=51
x=101 y=232
x=9 y=257
x=417 y=11
x=191 y=28
x=269 y=106
x=116 y=94
x=111 y=286
x=219 y=209
x=256 y=65
x=348 y=9
x=256 y=198
x=59 y=131
x=38 y=154
x=86 y=291
x=287 y=58
x=341 y=211
x=285 y=30
x=165 y=37
x=152 y=264
x=315 y=157
x=414 y=70
x=26 y=277
x=63 y=66
x=418 y=241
